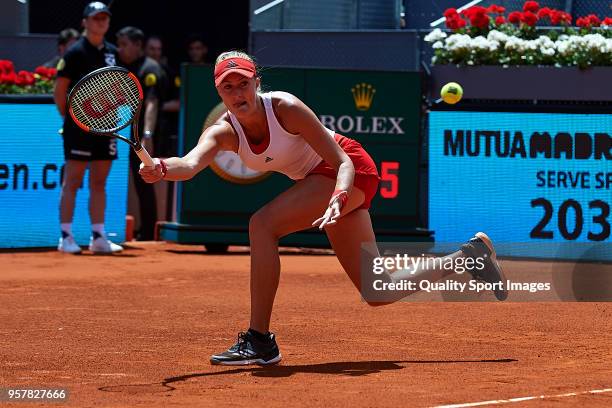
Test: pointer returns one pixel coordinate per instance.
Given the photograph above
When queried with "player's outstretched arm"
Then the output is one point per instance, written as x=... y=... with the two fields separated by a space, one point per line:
x=217 y=137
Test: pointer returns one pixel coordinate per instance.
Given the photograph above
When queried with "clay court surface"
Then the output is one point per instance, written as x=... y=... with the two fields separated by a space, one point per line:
x=137 y=330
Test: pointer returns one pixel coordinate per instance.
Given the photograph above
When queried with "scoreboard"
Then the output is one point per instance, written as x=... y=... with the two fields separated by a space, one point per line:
x=540 y=184
x=381 y=110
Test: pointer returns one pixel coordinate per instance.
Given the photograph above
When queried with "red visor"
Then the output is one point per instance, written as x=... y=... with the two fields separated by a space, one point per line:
x=235 y=65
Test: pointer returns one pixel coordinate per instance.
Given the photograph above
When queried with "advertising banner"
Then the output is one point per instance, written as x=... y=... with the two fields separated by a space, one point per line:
x=539 y=184
x=31 y=171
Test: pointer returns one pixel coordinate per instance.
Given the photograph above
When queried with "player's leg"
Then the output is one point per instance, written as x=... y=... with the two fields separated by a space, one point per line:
x=74 y=170
x=98 y=173
x=293 y=210
x=354 y=229
x=346 y=238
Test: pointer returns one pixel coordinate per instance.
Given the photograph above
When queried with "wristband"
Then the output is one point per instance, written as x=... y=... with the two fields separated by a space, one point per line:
x=342 y=195
x=164 y=167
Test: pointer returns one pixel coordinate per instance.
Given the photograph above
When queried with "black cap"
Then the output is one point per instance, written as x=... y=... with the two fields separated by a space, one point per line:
x=94 y=8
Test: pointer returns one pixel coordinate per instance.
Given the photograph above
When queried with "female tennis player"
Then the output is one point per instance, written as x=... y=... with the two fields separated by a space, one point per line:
x=335 y=178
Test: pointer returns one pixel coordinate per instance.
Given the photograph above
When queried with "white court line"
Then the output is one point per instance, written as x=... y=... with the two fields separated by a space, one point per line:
x=459 y=10
x=267 y=6
x=520 y=399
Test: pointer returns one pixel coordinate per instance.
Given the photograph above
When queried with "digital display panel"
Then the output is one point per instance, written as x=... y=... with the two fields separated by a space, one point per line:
x=523 y=178
x=31 y=169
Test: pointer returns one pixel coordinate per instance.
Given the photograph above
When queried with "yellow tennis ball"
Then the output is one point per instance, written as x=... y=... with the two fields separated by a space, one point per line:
x=451 y=93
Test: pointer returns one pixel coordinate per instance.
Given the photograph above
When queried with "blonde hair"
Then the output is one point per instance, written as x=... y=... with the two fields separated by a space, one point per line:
x=234 y=54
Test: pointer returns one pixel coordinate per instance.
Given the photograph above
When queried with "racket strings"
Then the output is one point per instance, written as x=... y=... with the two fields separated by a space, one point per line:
x=106 y=102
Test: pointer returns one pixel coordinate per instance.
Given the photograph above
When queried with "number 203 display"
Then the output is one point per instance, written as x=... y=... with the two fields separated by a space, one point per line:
x=542 y=178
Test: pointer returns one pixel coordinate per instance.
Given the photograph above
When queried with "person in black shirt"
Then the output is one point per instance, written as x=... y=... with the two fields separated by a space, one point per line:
x=166 y=139
x=65 y=39
x=82 y=150
x=130 y=41
x=197 y=50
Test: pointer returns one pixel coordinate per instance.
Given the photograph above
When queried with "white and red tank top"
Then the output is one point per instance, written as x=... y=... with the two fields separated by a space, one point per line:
x=286 y=153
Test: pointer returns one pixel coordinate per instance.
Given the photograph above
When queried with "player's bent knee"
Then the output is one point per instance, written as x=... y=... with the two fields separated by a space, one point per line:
x=259 y=223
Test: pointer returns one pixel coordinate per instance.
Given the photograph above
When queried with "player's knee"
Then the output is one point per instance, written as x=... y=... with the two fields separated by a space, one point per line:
x=257 y=223
x=262 y=223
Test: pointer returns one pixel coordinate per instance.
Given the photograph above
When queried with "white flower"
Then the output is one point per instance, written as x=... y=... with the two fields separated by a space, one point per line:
x=437 y=45
x=547 y=51
x=563 y=47
x=435 y=35
x=458 y=41
x=480 y=43
x=495 y=35
x=545 y=41
x=515 y=43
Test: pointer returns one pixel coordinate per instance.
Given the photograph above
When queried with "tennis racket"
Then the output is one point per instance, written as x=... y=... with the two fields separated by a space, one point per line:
x=107 y=100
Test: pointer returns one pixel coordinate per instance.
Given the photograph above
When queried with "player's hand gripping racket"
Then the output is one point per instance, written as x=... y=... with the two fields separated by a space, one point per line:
x=107 y=100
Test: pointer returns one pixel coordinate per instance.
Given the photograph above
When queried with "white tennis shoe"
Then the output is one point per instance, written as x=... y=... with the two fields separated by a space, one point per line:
x=101 y=245
x=68 y=245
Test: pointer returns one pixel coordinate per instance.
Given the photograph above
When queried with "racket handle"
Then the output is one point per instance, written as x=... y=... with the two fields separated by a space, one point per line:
x=144 y=157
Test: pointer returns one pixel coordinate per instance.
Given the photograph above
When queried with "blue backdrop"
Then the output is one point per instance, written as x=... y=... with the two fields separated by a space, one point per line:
x=31 y=160
x=532 y=206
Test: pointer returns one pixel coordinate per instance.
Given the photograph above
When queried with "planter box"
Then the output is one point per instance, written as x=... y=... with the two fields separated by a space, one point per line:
x=526 y=82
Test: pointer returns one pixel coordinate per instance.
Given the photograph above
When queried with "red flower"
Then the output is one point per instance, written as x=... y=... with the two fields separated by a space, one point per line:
x=515 y=17
x=588 y=21
x=607 y=21
x=43 y=72
x=478 y=16
x=531 y=6
x=565 y=18
x=495 y=9
x=474 y=10
x=450 y=12
x=6 y=66
x=24 y=78
x=455 y=22
x=529 y=18
x=544 y=12
x=479 y=20
x=558 y=16
x=499 y=20
x=8 y=78
x=594 y=20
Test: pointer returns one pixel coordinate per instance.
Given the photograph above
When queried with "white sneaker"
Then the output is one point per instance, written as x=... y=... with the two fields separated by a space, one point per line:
x=101 y=245
x=68 y=245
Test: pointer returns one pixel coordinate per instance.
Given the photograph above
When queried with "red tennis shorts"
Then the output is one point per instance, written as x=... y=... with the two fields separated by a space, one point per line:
x=366 y=175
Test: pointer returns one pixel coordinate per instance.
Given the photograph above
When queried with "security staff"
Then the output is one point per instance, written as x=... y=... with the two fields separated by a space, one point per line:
x=65 y=39
x=82 y=150
x=130 y=41
x=166 y=139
